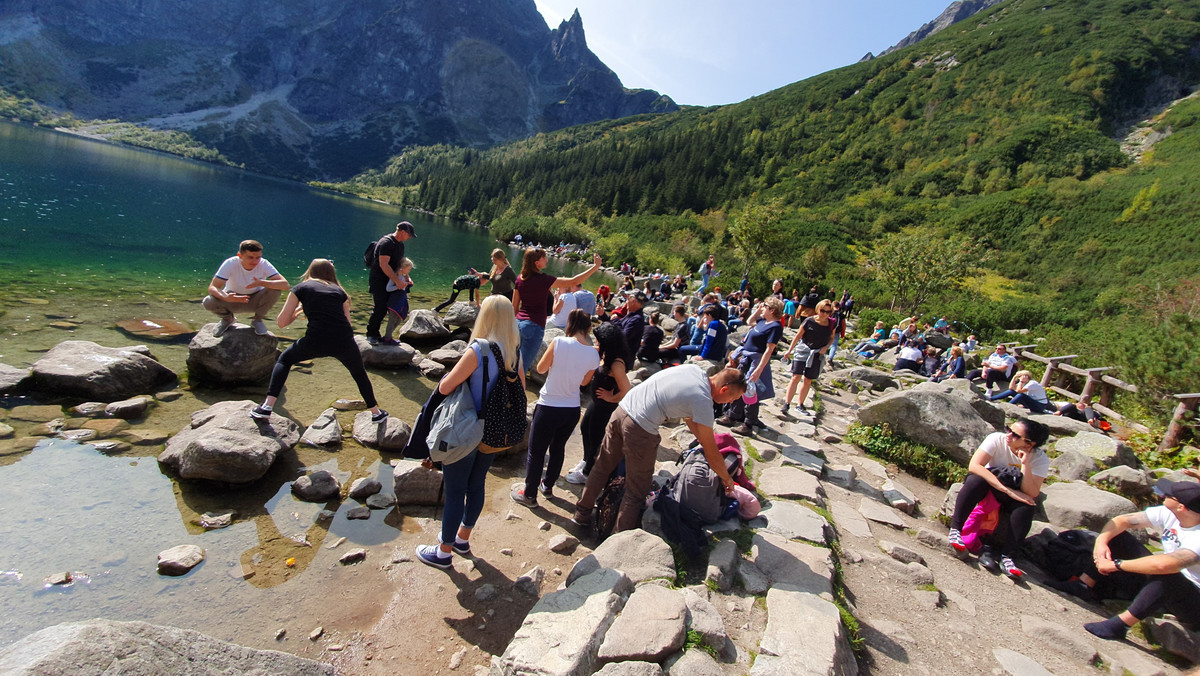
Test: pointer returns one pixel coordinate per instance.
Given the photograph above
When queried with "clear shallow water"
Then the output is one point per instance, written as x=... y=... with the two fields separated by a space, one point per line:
x=91 y=233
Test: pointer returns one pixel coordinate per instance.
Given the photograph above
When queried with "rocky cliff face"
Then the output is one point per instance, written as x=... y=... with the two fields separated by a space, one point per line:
x=957 y=11
x=313 y=88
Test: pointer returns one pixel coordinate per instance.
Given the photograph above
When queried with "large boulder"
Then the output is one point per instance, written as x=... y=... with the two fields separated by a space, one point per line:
x=384 y=356
x=878 y=379
x=939 y=340
x=416 y=485
x=1072 y=504
x=1074 y=466
x=640 y=555
x=237 y=356
x=223 y=443
x=562 y=633
x=1127 y=481
x=1061 y=426
x=83 y=369
x=938 y=415
x=821 y=648
x=390 y=435
x=12 y=379
x=448 y=354
x=461 y=314
x=109 y=647
x=1103 y=449
x=424 y=325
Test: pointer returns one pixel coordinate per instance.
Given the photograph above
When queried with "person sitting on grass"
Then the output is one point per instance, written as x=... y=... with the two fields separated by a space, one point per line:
x=468 y=282
x=1010 y=466
x=1027 y=392
x=1171 y=578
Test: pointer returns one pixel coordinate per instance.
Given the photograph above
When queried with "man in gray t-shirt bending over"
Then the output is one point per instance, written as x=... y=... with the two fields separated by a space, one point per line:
x=632 y=434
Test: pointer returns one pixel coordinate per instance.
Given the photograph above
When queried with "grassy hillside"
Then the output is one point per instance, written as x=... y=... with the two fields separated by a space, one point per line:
x=1004 y=128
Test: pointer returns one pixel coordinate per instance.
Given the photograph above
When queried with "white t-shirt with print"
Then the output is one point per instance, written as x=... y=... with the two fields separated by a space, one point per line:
x=237 y=277
x=996 y=446
x=1176 y=537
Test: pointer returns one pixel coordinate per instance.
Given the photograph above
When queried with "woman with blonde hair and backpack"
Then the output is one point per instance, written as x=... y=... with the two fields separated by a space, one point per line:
x=465 y=478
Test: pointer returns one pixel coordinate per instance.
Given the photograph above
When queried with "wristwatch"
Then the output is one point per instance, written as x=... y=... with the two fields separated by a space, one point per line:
x=1117 y=563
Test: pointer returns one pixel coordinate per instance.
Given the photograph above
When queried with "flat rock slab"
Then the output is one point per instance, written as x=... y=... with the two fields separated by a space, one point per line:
x=640 y=555
x=105 y=646
x=1017 y=664
x=798 y=456
x=848 y=519
x=792 y=483
x=1100 y=447
x=562 y=632
x=792 y=521
x=1067 y=640
x=792 y=565
x=881 y=513
x=630 y=669
x=820 y=648
x=650 y=627
x=155 y=328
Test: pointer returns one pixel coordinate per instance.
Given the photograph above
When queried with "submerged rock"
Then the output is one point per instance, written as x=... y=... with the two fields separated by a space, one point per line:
x=238 y=356
x=12 y=379
x=223 y=443
x=83 y=369
x=156 y=328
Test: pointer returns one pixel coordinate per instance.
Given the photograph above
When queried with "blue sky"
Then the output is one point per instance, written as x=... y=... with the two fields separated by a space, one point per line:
x=708 y=52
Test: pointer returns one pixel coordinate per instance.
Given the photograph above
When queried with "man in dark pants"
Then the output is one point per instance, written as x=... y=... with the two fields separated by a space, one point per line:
x=389 y=254
x=1172 y=578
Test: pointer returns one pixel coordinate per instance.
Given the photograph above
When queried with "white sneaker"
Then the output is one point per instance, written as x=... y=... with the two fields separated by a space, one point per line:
x=260 y=327
x=579 y=466
x=576 y=477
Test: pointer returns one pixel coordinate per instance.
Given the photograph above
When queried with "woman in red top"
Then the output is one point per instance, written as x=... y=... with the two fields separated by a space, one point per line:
x=530 y=298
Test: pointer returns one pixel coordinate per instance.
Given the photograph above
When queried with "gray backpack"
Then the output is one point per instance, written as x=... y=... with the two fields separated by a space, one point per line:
x=697 y=487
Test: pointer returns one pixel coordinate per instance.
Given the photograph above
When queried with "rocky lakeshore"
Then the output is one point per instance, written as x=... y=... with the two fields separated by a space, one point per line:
x=847 y=547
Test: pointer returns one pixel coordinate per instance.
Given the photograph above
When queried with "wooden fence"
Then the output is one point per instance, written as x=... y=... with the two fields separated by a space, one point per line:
x=1102 y=387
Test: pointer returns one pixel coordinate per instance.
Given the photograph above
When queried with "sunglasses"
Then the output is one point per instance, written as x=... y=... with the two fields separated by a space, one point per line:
x=1012 y=433
x=824 y=312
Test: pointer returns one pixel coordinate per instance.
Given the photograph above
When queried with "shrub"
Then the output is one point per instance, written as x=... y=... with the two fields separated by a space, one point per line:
x=917 y=459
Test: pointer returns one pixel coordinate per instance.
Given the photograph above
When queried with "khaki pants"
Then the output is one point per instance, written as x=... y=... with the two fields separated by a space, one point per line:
x=623 y=438
x=258 y=307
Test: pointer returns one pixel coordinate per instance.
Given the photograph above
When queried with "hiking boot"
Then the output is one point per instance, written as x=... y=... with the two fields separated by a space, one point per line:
x=518 y=496
x=744 y=430
x=223 y=326
x=260 y=327
x=432 y=555
x=1010 y=569
x=726 y=421
x=260 y=412
x=582 y=518
x=988 y=560
x=379 y=417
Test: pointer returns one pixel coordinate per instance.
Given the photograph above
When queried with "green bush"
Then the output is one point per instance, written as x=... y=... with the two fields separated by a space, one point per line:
x=917 y=459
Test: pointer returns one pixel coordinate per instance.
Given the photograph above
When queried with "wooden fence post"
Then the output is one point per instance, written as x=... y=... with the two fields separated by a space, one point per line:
x=1187 y=405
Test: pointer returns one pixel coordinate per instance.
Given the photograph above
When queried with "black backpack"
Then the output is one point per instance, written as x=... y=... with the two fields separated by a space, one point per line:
x=1068 y=555
x=608 y=506
x=369 y=254
x=504 y=421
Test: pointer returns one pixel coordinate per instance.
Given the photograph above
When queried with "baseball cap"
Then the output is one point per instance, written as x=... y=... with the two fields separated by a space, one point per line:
x=1186 y=492
x=406 y=227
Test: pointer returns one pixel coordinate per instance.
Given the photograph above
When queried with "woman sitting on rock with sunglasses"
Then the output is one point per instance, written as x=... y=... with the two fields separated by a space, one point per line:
x=1010 y=466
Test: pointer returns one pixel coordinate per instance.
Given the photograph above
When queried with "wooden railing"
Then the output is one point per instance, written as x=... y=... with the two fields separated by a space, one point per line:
x=1102 y=387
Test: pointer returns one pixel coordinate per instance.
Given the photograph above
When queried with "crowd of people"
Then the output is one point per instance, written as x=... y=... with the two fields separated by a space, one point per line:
x=606 y=335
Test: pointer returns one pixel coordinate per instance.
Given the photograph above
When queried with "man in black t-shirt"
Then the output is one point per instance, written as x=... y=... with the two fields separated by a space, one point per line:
x=389 y=253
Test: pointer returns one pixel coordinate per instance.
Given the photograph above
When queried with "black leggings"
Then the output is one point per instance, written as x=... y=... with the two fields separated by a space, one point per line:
x=1174 y=593
x=1016 y=517
x=454 y=297
x=341 y=347
x=549 y=431
x=595 y=420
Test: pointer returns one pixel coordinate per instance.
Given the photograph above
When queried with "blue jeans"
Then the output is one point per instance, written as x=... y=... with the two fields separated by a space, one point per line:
x=531 y=342
x=465 y=494
x=1030 y=403
x=833 y=346
x=686 y=351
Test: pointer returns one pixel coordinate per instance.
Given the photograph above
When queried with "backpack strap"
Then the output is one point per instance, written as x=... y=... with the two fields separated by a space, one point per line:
x=478 y=380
